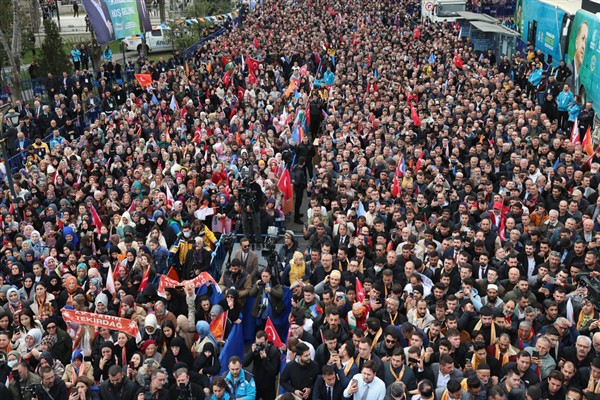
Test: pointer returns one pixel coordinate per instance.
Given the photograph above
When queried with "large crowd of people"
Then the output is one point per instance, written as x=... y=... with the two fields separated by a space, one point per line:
x=439 y=226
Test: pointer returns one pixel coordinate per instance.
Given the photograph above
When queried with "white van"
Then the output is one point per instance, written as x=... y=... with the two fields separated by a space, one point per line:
x=157 y=40
x=441 y=10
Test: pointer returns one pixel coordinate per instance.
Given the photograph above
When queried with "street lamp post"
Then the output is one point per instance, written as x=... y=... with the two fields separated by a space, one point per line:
x=13 y=119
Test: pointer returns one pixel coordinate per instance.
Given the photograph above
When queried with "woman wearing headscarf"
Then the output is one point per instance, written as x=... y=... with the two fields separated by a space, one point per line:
x=207 y=363
x=27 y=291
x=14 y=304
x=71 y=290
x=178 y=352
x=106 y=360
x=70 y=236
x=151 y=329
x=132 y=311
x=77 y=368
x=204 y=336
x=46 y=359
x=30 y=347
x=27 y=258
x=15 y=277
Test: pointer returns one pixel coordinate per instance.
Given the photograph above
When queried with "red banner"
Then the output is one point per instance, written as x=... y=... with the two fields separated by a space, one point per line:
x=203 y=279
x=101 y=320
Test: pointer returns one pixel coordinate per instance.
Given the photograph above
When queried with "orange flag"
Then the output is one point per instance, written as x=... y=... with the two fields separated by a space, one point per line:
x=217 y=326
x=587 y=144
x=144 y=80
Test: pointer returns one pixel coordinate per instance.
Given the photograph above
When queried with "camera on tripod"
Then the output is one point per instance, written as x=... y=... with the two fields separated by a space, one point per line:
x=269 y=251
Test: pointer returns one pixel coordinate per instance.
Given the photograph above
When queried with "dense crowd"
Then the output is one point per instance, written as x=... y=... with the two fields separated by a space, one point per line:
x=446 y=224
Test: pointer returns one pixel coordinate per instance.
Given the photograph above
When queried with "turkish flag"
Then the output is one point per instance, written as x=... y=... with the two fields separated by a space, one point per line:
x=415 y=116
x=240 y=93
x=360 y=291
x=96 y=219
x=457 y=61
x=252 y=64
x=272 y=334
x=285 y=184
x=144 y=80
x=255 y=42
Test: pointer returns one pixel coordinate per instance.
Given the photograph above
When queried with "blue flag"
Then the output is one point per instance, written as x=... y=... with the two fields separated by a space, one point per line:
x=556 y=164
x=154 y=99
x=234 y=346
x=431 y=59
x=361 y=209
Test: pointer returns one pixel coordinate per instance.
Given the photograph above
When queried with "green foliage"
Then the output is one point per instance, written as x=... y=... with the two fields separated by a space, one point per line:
x=54 y=57
x=181 y=35
x=203 y=8
x=6 y=23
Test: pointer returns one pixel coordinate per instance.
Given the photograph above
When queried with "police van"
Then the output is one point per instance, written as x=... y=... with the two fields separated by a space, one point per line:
x=157 y=40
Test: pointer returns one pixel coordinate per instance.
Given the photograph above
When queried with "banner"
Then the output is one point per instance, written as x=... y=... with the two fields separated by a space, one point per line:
x=101 y=320
x=203 y=279
x=116 y=19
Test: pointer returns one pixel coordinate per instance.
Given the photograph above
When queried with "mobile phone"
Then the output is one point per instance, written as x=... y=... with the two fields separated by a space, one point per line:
x=535 y=354
x=413 y=360
x=354 y=382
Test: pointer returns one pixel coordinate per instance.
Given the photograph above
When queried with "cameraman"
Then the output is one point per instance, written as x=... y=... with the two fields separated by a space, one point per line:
x=155 y=389
x=22 y=379
x=54 y=387
x=183 y=389
x=252 y=199
x=265 y=359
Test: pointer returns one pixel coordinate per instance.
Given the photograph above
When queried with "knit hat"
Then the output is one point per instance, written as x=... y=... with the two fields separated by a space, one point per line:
x=147 y=343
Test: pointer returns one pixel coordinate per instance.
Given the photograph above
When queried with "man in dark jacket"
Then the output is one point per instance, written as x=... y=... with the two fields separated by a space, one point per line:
x=155 y=389
x=265 y=359
x=184 y=387
x=52 y=384
x=299 y=181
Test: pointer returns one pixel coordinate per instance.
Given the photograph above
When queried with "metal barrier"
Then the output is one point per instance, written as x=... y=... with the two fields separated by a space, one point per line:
x=80 y=123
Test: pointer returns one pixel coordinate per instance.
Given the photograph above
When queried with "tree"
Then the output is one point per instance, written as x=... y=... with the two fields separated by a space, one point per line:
x=12 y=45
x=54 y=58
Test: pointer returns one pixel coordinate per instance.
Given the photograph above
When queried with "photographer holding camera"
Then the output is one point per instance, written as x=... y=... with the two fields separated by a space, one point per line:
x=269 y=295
x=265 y=359
x=22 y=379
x=183 y=389
x=154 y=390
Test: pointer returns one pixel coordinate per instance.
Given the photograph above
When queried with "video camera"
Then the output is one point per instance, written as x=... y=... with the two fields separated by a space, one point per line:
x=270 y=253
x=37 y=391
x=184 y=392
x=593 y=288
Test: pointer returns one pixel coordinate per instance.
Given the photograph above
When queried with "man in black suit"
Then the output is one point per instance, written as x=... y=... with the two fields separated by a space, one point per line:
x=327 y=386
x=97 y=10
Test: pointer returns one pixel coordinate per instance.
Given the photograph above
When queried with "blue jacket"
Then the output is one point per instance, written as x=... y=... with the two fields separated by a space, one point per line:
x=535 y=77
x=328 y=78
x=574 y=110
x=564 y=100
x=244 y=388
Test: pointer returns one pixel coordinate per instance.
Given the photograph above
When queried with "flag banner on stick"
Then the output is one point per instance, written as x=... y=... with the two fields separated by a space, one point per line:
x=101 y=321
